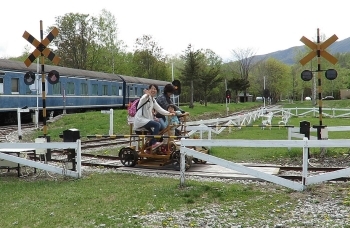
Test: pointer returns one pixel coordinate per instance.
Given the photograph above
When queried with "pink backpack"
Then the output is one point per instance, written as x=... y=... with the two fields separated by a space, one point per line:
x=132 y=109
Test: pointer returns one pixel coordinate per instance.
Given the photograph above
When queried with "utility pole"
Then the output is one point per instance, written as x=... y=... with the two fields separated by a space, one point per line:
x=264 y=90
x=226 y=97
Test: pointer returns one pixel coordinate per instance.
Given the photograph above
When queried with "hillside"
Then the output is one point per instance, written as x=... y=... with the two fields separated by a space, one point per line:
x=287 y=56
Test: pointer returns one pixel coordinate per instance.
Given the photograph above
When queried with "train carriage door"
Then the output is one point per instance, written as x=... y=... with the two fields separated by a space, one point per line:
x=1 y=83
x=120 y=91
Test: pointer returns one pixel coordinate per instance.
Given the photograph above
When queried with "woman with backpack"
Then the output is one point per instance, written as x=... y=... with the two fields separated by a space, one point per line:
x=144 y=116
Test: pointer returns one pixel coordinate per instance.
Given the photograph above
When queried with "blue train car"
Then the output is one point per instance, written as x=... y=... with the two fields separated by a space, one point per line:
x=76 y=90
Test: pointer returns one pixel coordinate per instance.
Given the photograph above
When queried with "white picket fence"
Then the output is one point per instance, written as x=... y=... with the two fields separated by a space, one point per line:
x=307 y=179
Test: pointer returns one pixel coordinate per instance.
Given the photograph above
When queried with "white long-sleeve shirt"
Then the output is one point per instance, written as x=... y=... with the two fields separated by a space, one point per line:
x=145 y=114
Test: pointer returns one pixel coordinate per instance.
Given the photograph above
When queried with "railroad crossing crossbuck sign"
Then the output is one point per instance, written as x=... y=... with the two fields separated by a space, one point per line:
x=41 y=47
x=318 y=47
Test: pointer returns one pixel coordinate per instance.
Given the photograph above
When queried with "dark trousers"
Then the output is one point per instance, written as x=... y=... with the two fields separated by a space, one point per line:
x=153 y=127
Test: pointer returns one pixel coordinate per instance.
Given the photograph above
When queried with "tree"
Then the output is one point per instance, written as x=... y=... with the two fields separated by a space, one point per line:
x=191 y=71
x=149 y=59
x=90 y=43
x=277 y=77
x=74 y=39
x=237 y=84
x=244 y=59
x=106 y=50
x=210 y=70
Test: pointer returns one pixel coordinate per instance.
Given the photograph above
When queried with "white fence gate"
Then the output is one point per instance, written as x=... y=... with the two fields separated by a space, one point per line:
x=304 y=144
x=40 y=165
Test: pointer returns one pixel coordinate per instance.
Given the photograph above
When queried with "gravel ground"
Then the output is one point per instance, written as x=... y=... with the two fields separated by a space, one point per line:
x=324 y=205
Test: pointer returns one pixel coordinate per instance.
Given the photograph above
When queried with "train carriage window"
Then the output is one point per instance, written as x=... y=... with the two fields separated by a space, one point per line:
x=131 y=91
x=56 y=88
x=120 y=92
x=84 y=89
x=70 y=88
x=15 y=85
x=114 y=90
x=1 y=85
x=94 y=89
x=104 y=90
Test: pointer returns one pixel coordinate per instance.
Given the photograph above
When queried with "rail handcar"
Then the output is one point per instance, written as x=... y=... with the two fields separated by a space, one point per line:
x=76 y=90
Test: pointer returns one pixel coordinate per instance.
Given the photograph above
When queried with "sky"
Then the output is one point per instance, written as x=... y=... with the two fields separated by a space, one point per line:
x=263 y=26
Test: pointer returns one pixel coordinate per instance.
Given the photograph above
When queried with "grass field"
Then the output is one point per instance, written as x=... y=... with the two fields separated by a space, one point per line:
x=120 y=199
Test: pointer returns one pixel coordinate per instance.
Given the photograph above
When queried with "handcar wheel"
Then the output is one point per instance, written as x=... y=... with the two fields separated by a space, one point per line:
x=175 y=160
x=198 y=161
x=172 y=147
x=204 y=148
x=128 y=157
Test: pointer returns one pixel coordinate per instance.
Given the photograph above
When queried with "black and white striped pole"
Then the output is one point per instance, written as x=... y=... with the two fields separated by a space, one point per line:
x=41 y=48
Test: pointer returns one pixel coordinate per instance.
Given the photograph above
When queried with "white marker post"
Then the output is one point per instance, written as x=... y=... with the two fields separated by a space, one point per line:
x=19 y=110
x=110 y=112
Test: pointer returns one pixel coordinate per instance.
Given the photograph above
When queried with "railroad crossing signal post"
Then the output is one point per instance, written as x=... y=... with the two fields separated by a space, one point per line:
x=319 y=49
x=42 y=50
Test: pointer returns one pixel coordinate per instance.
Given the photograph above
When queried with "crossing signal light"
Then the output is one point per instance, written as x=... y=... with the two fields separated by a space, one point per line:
x=29 y=78
x=177 y=86
x=306 y=75
x=228 y=94
x=331 y=74
x=53 y=77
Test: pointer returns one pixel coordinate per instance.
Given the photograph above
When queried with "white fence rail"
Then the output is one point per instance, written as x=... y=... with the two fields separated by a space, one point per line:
x=222 y=123
x=47 y=167
x=295 y=132
x=328 y=112
x=266 y=116
x=304 y=144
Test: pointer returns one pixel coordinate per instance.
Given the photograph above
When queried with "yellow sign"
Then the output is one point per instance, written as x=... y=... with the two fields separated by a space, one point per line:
x=322 y=48
x=41 y=47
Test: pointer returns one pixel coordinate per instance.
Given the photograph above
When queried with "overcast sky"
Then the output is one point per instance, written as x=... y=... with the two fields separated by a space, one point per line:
x=220 y=25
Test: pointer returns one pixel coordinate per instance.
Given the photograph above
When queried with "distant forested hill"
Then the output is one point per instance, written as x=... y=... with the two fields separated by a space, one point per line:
x=287 y=56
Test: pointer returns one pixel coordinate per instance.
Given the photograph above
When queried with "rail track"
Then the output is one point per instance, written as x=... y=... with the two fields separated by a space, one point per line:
x=112 y=162
x=103 y=142
x=6 y=130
